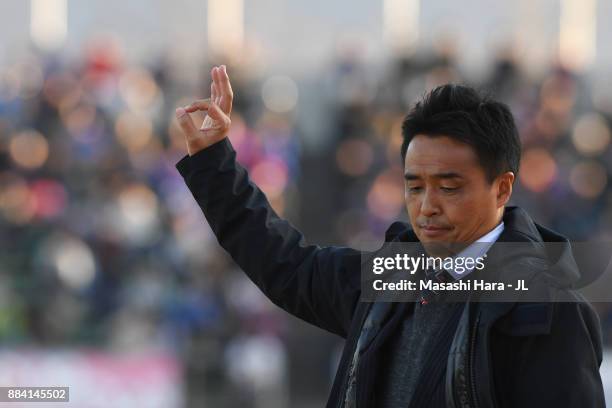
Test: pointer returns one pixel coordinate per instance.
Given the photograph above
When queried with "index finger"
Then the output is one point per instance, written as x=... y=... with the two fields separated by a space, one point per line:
x=200 y=104
x=225 y=88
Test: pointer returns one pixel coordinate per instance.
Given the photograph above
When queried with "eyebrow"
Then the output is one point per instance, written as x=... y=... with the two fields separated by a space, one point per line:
x=447 y=175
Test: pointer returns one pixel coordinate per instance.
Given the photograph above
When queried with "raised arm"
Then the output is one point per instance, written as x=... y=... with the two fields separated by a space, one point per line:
x=319 y=285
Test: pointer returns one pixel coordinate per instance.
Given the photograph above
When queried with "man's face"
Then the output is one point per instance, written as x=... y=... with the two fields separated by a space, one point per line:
x=448 y=197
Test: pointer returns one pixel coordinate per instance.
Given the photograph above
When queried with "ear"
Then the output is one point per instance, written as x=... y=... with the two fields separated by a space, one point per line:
x=504 y=188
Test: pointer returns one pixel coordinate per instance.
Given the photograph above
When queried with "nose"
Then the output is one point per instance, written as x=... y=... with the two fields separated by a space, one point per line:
x=429 y=205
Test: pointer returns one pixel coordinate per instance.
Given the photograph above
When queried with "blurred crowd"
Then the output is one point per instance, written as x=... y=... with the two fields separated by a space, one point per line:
x=102 y=245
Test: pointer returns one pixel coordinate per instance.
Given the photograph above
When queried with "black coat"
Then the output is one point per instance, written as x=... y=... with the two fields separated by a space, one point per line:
x=503 y=354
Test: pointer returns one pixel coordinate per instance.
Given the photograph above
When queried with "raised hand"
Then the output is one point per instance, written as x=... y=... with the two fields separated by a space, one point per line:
x=218 y=109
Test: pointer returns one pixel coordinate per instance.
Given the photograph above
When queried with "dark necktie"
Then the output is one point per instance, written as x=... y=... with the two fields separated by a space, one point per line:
x=441 y=276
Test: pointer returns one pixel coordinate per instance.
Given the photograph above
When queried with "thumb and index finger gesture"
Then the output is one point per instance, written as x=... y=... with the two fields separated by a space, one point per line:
x=218 y=109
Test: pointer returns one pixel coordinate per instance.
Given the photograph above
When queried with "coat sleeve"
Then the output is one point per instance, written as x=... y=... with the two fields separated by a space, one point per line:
x=320 y=285
x=561 y=369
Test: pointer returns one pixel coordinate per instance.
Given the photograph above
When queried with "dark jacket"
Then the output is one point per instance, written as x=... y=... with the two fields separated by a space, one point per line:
x=502 y=354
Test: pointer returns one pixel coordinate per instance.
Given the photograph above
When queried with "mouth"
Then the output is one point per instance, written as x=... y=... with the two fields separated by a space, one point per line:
x=433 y=231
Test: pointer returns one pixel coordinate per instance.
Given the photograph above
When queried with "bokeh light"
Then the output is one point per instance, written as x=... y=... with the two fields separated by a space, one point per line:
x=279 y=94
x=271 y=176
x=133 y=131
x=538 y=169
x=591 y=134
x=70 y=257
x=29 y=149
x=17 y=203
x=138 y=89
x=588 y=179
x=75 y=264
x=50 y=197
x=138 y=217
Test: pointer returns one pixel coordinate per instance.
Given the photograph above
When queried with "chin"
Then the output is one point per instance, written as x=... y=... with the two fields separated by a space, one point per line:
x=436 y=248
x=441 y=247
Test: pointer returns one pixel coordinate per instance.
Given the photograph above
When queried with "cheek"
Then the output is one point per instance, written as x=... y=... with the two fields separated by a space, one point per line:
x=412 y=205
x=472 y=209
x=460 y=209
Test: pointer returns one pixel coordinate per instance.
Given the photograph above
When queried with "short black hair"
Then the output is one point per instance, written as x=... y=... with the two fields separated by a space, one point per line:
x=462 y=113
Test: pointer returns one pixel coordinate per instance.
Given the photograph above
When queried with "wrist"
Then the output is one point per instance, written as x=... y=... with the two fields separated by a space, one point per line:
x=197 y=145
x=194 y=147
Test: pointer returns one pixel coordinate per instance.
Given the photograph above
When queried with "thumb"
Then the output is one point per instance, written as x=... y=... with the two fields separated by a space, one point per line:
x=186 y=123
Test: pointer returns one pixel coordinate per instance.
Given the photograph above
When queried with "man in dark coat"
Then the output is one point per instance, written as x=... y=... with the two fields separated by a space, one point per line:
x=461 y=155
